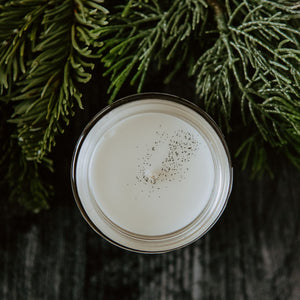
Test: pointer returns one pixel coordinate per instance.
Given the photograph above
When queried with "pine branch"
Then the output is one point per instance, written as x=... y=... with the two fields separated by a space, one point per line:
x=24 y=181
x=141 y=34
x=21 y=181
x=19 y=25
x=49 y=88
x=56 y=41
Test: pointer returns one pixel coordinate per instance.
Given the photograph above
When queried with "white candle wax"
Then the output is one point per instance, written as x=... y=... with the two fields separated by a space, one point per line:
x=149 y=170
x=151 y=173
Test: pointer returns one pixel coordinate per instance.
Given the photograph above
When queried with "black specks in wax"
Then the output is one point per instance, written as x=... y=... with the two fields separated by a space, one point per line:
x=167 y=160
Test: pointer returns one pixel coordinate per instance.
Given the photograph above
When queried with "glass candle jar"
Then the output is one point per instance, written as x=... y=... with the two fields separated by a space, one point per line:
x=151 y=173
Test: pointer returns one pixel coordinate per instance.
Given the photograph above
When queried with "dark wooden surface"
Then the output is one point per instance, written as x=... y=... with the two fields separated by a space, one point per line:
x=251 y=253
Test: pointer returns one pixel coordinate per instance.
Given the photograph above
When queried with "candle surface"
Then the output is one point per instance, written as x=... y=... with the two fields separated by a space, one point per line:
x=151 y=173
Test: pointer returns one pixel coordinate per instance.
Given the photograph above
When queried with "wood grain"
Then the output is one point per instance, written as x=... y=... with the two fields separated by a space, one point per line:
x=251 y=253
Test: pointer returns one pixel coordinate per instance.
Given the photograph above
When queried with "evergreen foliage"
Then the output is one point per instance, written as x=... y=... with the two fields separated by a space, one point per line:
x=46 y=51
x=145 y=33
x=243 y=55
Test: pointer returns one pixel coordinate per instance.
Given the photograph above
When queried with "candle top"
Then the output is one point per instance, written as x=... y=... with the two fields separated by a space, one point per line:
x=151 y=173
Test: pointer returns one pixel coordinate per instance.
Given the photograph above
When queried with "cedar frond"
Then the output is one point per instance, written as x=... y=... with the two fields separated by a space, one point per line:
x=141 y=34
x=255 y=64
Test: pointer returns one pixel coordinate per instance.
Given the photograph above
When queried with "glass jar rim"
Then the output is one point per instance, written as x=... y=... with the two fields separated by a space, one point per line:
x=104 y=112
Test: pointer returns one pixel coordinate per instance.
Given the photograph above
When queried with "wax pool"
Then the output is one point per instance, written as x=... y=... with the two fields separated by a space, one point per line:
x=151 y=173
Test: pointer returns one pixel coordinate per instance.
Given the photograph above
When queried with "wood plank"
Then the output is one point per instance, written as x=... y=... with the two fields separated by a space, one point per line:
x=251 y=253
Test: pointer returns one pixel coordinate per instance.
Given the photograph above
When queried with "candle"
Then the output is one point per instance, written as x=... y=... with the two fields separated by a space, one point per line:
x=151 y=173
